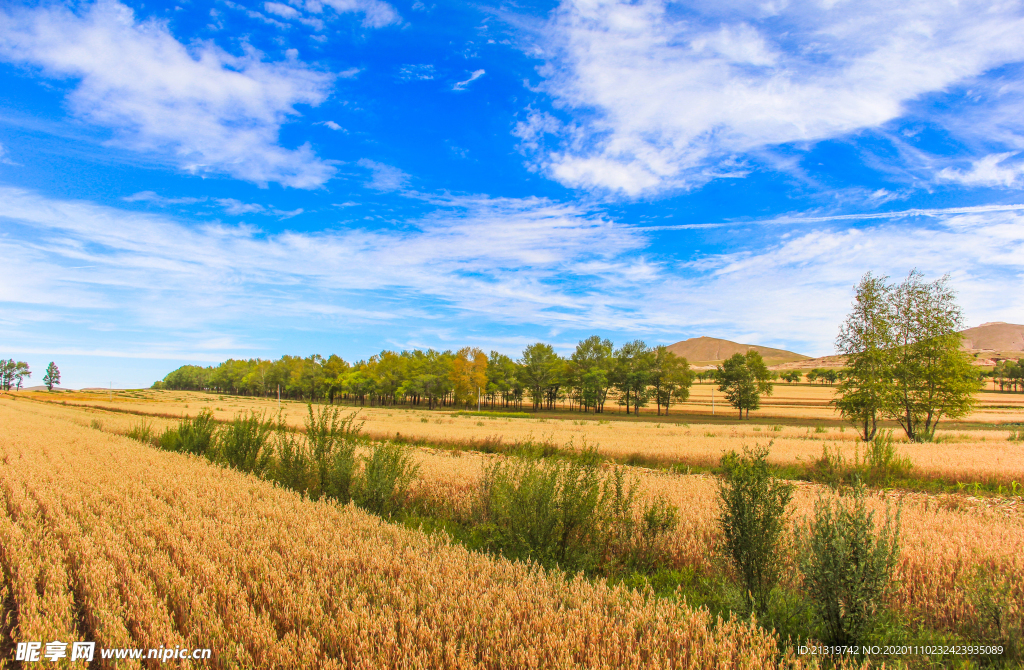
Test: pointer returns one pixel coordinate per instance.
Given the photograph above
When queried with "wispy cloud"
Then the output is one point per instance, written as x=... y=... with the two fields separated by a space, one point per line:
x=661 y=93
x=213 y=111
x=157 y=199
x=529 y=263
x=384 y=177
x=462 y=85
x=416 y=72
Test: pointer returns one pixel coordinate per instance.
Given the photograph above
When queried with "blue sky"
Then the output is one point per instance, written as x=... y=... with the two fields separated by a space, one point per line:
x=192 y=181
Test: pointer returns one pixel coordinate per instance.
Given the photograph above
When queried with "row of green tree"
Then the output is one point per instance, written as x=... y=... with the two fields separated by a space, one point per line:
x=1009 y=374
x=635 y=375
x=14 y=373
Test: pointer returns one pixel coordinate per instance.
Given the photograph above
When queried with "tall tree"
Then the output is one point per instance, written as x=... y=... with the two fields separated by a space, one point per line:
x=468 y=375
x=632 y=376
x=591 y=365
x=539 y=369
x=670 y=377
x=21 y=371
x=932 y=377
x=865 y=338
x=743 y=380
x=52 y=376
x=6 y=373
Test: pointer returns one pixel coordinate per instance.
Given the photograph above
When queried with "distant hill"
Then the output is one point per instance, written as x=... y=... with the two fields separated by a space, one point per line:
x=994 y=337
x=713 y=350
x=989 y=343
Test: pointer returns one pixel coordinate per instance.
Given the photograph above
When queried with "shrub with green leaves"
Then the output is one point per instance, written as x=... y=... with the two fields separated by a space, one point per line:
x=292 y=467
x=142 y=431
x=193 y=435
x=883 y=462
x=387 y=474
x=570 y=514
x=332 y=452
x=847 y=565
x=753 y=515
x=245 y=442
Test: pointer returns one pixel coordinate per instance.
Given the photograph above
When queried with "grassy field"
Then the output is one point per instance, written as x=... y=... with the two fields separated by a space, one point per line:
x=138 y=547
x=965 y=453
x=103 y=538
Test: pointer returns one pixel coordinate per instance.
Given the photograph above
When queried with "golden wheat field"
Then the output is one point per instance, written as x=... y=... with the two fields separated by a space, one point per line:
x=960 y=454
x=105 y=539
x=946 y=538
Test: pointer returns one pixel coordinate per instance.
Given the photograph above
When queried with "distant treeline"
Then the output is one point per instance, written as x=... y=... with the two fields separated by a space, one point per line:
x=638 y=375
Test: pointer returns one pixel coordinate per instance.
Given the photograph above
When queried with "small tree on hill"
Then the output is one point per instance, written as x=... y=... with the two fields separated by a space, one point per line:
x=743 y=380
x=52 y=376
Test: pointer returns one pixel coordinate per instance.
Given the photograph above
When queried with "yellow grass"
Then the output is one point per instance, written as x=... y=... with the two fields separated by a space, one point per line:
x=959 y=455
x=158 y=549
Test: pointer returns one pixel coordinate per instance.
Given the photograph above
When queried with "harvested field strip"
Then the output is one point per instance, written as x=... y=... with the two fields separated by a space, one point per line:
x=984 y=456
x=175 y=551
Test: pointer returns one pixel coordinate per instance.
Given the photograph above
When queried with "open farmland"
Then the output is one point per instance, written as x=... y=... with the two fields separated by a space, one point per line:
x=106 y=539
x=114 y=518
x=965 y=453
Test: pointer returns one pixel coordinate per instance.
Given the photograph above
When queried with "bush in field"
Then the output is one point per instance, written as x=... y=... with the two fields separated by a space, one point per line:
x=752 y=518
x=882 y=461
x=142 y=431
x=245 y=442
x=569 y=514
x=332 y=452
x=192 y=436
x=387 y=474
x=1000 y=611
x=847 y=567
x=292 y=467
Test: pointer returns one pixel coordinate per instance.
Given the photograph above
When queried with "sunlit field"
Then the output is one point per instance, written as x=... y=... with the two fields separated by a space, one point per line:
x=108 y=539
x=975 y=450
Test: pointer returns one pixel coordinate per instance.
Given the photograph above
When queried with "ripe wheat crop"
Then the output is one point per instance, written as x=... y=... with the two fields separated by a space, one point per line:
x=109 y=540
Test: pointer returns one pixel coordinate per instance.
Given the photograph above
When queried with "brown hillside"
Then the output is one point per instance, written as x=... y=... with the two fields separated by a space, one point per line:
x=994 y=337
x=710 y=350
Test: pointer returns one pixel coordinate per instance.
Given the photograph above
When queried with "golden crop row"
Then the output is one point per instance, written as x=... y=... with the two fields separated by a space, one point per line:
x=946 y=539
x=960 y=455
x=137 y=547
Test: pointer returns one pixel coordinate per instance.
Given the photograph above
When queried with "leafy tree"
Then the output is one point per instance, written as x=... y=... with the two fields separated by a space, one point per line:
x=932 y=377
x=743 y=380
x=591 y=365
x=670 y=377
x=468 y=374
x=21 y=370
x=502 y=378
x=865 y=338
x=634 y=362
x=6 y=374
x=540 y=368
x=52 y=376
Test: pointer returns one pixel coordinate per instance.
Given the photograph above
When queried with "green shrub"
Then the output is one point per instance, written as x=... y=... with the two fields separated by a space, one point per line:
x=192 y=436
x=569 y=514
x=999 y=607
x=141 y=431
x=387 y=474
x=847 y=567
x=332 y=453
x=97 y=424
x=752 y=518
x=882 y=462
x=245 y=442
x=292 y=466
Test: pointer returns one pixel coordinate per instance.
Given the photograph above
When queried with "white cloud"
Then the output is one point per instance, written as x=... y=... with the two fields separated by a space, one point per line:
x=416 y=72
x=385 y=177
x=993 y=170
x=526 y=263
x=461 y=86
x=662 y=91
x=151 y=196
x=332 y=125
x=237 y=207
x=376 y=14
x=281 y=10
x=215 y=112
